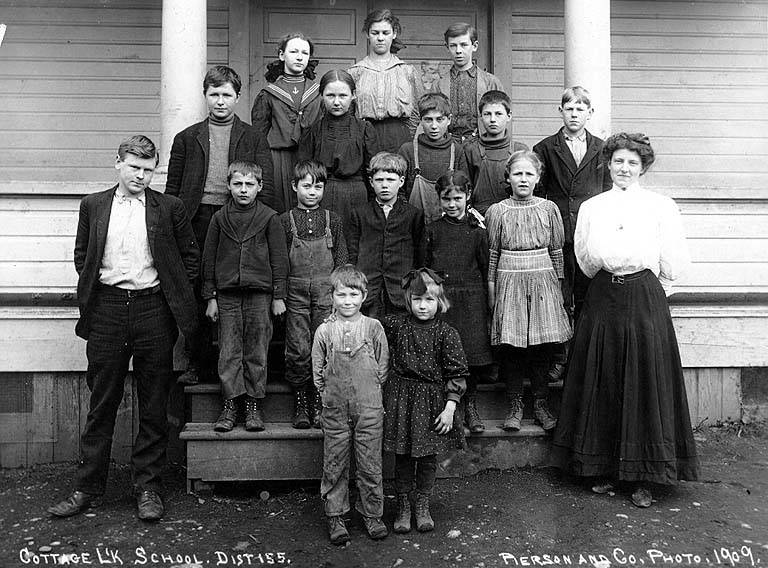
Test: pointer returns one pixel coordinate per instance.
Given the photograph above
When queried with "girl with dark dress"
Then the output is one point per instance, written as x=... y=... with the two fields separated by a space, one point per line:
x=427 y=378
x=456 y=245
x=624 y=413
x=343 y=143
x=285 y=108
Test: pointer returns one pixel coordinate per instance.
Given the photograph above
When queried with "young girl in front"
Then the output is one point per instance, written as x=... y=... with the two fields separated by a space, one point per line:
x=525 y=235
x=286 y=107
x=427 y=378
x=457 y=245
x=343 y=143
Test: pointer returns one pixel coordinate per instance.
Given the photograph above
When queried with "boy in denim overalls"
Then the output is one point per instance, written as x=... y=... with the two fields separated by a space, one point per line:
x=316 y=246
x=350 y=359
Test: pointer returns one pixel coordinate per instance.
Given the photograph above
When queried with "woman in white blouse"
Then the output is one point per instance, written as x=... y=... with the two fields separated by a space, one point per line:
x=624 y=413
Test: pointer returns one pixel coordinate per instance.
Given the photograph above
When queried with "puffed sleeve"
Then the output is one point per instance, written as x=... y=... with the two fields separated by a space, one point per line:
x=588 y=264
x=556 y=239
x=673 y=257
x=493 y=222
x=453 y=364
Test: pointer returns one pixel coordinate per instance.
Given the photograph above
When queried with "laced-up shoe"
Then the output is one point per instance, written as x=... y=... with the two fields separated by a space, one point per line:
x=337 y=530
x=403 y=520
x=228 y=416
x=254 y=414
x=149 y=506
x=300 y=413
x=375 y=528
x=472 y=417
x=76 y=503
x=514 y=414
x=542 y=414
x=424 y=522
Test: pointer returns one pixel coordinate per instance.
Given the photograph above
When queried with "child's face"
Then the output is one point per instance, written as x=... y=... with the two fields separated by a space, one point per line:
x=347 y=301
x=523 y=177
x=495 y=118
x=337 y=98
x=244 y=188
x=309 y=192
x=575 y=116
x=424 y=307
x=386 y=185
x=435 y=124
x=380 y=37
x=221 y=100
x=295 y=56
x=454 y=203
x=462 y=48
x=134 y=173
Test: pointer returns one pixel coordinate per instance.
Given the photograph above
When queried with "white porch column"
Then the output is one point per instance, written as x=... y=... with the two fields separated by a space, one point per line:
x=588 y=56
x=183 y=61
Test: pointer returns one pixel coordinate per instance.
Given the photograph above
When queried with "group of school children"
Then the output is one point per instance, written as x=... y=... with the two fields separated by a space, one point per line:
x=368 y=227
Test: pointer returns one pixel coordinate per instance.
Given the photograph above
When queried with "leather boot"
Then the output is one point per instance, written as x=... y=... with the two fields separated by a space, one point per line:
x=300 y=413
x=403 y=520
x=514 y=417
x=472 y=416
x=424 y=522
x=227 y=418
x=254 y=414
x=543 y=416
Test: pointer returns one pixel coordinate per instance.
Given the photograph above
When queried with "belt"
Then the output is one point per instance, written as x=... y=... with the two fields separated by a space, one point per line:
x=621 y=278
x=115 y=291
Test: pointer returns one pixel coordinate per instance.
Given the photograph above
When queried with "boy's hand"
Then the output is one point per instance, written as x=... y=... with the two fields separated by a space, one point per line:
x=278 y=307
x=212 y=310
x=444 y=422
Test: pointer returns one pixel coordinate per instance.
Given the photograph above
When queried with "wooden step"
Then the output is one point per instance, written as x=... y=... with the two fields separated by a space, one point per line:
x=203 y=401
x=281 y=452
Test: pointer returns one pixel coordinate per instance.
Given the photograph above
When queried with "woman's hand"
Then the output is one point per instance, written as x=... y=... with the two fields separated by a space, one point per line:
x=444 y=422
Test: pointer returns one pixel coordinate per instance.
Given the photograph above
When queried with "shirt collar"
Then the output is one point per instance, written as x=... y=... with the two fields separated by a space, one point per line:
x=581 y=138
x=141 y=198
x=472 y=71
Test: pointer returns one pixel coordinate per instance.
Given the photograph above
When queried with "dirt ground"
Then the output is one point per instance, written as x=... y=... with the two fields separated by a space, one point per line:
x=497 y=518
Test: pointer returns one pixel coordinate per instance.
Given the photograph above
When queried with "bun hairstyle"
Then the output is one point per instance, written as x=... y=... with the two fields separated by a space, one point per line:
x=635 y=142
x=275 y=68
x=386 y=15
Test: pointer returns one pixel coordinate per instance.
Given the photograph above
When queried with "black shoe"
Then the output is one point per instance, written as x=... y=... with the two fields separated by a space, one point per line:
x=149 y=506
x=316 y=408
x=301 y=411
x=76 y=503
x=254 y=414
x=424 y=522
x=189 y=377
x=514 y=418
x=227 y=418
x=543 y=416
x=472 y=417
x=375 y=528
x=555 y=372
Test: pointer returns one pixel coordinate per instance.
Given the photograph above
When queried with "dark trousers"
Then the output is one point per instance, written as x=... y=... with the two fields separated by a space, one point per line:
x=379 y=303
x=423 y=470
x=200 y=349
x=575 y=283
x=517 y=362
x=308 y=304
x=123 y=327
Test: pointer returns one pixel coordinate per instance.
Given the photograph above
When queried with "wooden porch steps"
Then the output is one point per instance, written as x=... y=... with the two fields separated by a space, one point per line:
x=281 y=452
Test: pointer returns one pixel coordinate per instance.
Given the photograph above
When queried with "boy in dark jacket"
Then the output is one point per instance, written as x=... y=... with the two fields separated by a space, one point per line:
x=245 y=269
x=385 y=237
x=573 y=172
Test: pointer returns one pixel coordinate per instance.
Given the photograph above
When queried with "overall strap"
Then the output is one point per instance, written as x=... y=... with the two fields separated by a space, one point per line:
x=294 y=230
x=328 y=235
x=453 y=156
x=416 y=168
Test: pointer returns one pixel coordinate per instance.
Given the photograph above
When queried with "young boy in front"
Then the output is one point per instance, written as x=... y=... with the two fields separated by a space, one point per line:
x=465 y=83
x=385 y=236
x=485 y=156
x=316 y=246
x=350 y=359
x=245 y=267
x=431 y=154
x=573 y=172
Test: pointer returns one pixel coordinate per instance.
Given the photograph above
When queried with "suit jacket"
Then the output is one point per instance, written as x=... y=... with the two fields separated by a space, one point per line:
x=386 y=248
x=188 y=165
x=567 y=184
x=171 y=241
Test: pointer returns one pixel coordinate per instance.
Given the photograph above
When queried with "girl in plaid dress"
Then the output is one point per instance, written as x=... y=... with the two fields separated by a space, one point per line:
x=525 y=236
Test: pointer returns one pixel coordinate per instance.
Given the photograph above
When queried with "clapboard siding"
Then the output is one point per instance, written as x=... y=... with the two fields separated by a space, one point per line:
x=77 y=77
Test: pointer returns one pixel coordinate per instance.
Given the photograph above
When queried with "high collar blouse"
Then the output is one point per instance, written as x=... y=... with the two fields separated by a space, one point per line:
x=626 y=231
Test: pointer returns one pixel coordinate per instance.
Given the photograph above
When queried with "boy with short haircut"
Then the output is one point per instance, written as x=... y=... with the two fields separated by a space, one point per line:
x=485 y=156
x=431 y=154
x=245 y=268
x=350 y=361
x=385 y=236
x=197 y=174
x=465 y=83
x=573 y=172
x=316 y=246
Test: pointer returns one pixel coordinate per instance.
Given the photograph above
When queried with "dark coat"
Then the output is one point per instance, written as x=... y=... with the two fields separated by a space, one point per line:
x=171 y=241
x=258 y=261
x=386 y=248
x=565 y=183
x=188 y=165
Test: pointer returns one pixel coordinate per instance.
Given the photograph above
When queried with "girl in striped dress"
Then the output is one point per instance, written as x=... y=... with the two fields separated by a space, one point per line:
x=525 y=237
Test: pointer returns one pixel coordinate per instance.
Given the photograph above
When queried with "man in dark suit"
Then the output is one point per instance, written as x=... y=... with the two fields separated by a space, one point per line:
x=136 y=256
x=197 y=173
x=573 y=172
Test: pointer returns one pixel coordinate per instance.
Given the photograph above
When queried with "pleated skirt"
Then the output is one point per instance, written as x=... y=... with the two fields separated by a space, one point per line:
x=624 y=411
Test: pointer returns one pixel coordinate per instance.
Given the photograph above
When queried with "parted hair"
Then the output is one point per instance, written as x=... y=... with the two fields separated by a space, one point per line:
x=456 y=180
x=275 y=68
x=386 y=15
x=139 y=146
x=526 y=155
x=434 y=101
x=244 y=168
x=576 y=94
x=459 y=29
x=634 y=141
x=349 y=276
x=219 y=75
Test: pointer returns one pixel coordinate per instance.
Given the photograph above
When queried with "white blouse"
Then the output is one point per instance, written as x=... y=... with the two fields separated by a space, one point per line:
x=625 y=231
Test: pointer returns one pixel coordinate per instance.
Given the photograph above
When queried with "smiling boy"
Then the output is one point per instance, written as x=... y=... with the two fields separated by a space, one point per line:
x=465 y=83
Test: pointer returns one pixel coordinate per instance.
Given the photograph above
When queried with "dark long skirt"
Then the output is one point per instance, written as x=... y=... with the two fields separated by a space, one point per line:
x=342 y=195
x=283 y=160
x=624 y=411
x=391 y=133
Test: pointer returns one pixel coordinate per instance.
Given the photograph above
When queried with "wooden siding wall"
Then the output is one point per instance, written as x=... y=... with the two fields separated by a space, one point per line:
x=693 y=76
